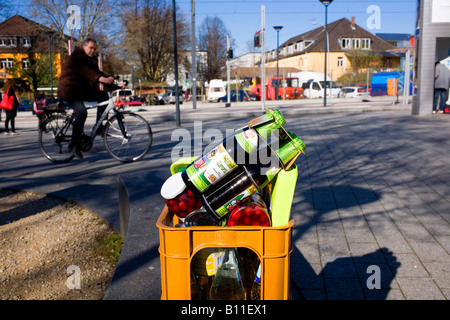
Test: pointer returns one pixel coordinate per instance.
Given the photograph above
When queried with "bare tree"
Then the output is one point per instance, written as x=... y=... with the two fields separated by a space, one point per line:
x=148 y=37
x=213 y=40
x=79 y=20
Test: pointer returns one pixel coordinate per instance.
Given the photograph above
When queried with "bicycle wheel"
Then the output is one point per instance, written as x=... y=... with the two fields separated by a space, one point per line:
x=127 y=137
x=53 y=141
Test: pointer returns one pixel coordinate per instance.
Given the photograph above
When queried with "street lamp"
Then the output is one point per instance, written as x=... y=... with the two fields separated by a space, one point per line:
x=278 y=28
x=326 y=3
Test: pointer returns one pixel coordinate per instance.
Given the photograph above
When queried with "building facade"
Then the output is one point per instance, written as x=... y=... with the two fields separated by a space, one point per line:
x=24 y=51
x=306 y=52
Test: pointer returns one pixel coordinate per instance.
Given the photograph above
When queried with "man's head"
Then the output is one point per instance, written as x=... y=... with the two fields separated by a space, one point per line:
x=89 y=46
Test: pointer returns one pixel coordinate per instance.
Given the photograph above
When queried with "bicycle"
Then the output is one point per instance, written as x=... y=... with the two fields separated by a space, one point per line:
x=127 y=136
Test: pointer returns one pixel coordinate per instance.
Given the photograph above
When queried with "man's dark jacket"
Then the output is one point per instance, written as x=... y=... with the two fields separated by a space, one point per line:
x=79 y=77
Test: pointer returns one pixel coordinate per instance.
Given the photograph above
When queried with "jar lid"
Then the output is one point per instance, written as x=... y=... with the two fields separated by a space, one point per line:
x=173 y=186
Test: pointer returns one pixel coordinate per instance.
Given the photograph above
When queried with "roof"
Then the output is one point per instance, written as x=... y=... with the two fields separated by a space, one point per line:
x=18 y=26
x=338 y=30
x=394 y=36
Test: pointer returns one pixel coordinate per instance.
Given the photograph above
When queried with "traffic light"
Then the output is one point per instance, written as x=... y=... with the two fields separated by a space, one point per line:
x=257 y=40
x=230 y=54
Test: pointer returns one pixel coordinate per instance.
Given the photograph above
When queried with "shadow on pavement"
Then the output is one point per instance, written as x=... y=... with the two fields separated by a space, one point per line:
x=343 y=276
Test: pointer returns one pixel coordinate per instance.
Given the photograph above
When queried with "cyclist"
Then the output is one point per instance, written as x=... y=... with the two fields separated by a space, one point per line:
x=79 y=82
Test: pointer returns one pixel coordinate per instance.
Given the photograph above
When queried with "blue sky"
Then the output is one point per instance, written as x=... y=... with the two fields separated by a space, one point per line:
x=242 y=18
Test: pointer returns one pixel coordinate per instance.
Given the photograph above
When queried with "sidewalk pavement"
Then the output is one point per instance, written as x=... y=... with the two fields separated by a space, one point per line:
x=371 y=207
x=213 y=111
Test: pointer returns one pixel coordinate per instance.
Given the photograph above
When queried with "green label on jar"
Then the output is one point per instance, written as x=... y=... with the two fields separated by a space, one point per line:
x=210 y=168
x=230 y=205
x=248 y=140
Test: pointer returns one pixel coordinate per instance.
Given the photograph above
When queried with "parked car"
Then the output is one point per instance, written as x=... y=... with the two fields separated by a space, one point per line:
x=170 y=97
x=243 y=96
x=150 y=99
x=130 y=101
x=363 y=86
x=353 y=92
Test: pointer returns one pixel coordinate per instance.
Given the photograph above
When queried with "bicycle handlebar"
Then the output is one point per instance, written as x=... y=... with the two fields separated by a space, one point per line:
x=111 y=87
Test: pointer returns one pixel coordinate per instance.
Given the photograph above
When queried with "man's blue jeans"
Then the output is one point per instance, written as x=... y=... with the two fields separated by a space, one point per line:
x=439 y=94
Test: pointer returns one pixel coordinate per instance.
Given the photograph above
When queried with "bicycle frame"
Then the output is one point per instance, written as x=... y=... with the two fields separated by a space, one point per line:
x=104 y=115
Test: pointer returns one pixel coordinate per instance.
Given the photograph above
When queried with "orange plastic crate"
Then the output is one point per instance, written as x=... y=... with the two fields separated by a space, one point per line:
x=273 y=245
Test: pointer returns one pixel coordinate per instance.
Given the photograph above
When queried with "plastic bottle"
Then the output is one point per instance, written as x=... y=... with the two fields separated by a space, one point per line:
x=227 y=284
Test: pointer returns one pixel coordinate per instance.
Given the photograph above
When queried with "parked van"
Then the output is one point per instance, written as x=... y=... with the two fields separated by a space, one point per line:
x=315 y=89
x=121 y=93
x=216 y=90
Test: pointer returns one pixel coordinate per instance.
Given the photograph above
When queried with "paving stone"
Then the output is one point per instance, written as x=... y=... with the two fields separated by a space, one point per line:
x=440 y=272
x=420 y=289
x=410 y=267
x=430 y=252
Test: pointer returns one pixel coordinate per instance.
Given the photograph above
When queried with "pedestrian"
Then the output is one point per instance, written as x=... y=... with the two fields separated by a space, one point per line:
x=79 y=82
x=39 y=104
x=10 y=103
x=0 y=111
x=441 y=85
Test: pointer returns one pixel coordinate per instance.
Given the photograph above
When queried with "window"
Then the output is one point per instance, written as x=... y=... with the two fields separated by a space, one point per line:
x=340 y=62
x=26 y=42
x=308 y=43
x=25 y=64
x=7 y=63
x=301 y=46
x=8 y=42
x=365 y=43
x=345 y=43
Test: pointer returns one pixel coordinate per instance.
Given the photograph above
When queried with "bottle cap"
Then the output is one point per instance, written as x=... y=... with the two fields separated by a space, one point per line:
x=173 y=186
